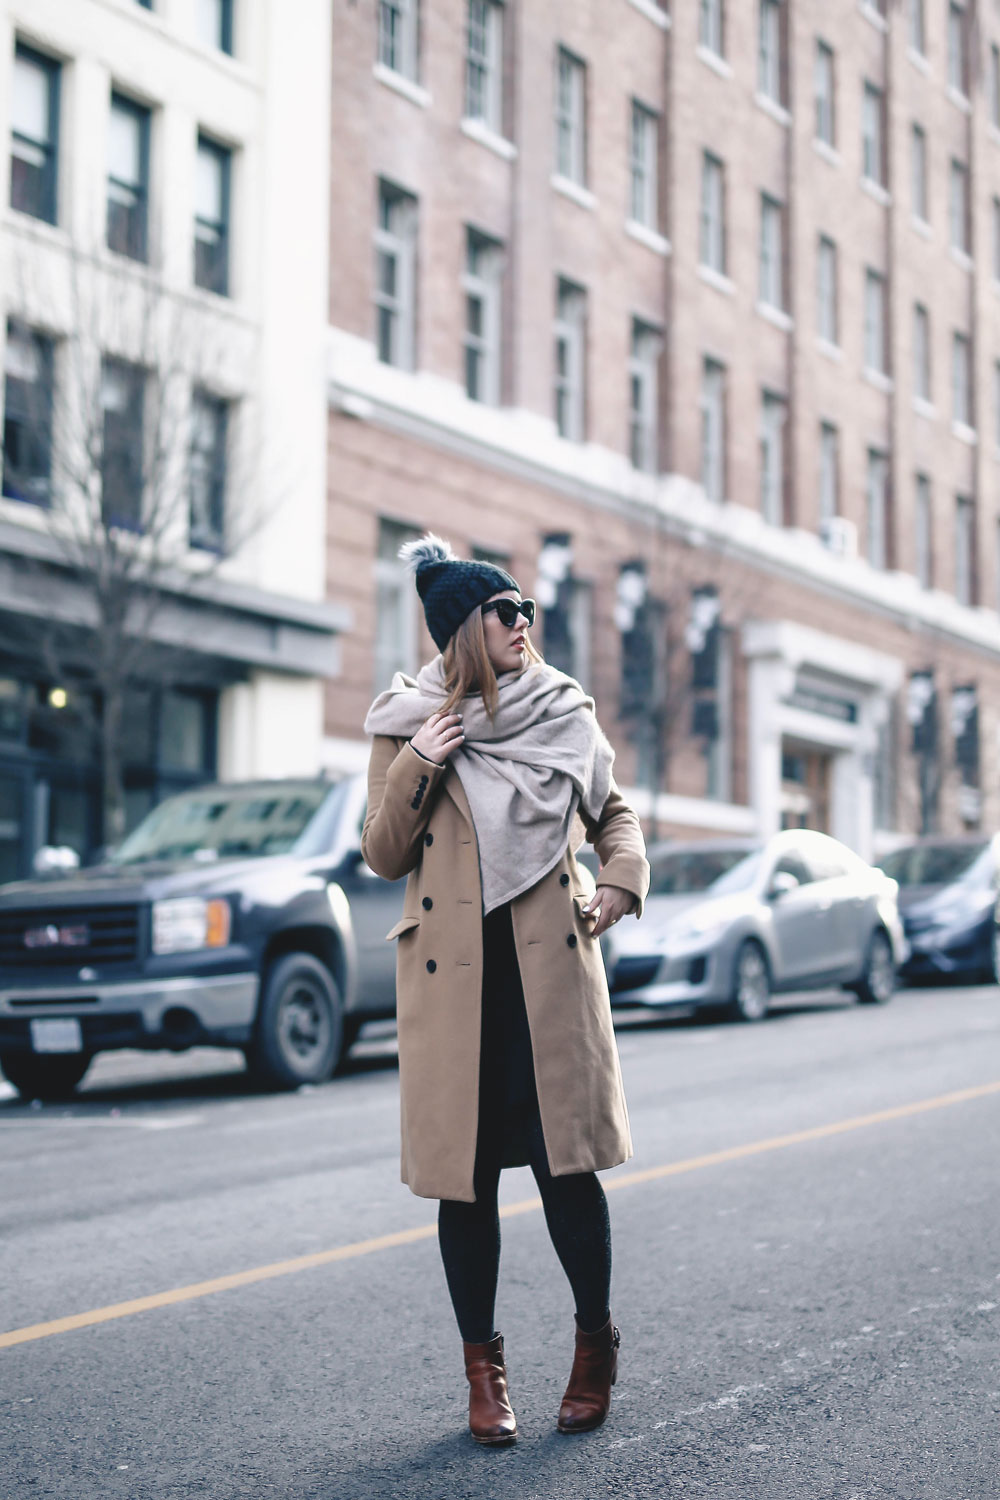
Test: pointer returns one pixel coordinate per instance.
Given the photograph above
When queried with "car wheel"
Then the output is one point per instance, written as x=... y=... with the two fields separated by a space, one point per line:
x=299 y=1034
x=878 y=982
x=48 y=1078
x=751 y=993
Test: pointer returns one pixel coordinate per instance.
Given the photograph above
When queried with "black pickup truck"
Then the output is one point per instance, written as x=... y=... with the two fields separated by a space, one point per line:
x=235 y=915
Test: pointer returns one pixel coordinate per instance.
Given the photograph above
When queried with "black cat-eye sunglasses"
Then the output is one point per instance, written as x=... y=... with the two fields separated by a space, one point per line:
x=509 y=609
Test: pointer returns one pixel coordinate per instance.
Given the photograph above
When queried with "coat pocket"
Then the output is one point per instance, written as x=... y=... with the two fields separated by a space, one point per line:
x=405 y=924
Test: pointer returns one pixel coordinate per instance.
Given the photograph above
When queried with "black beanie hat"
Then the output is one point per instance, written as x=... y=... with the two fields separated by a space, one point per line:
x=450 y=586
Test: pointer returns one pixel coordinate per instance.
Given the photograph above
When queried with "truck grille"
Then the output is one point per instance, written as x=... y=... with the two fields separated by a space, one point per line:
x=69 y=937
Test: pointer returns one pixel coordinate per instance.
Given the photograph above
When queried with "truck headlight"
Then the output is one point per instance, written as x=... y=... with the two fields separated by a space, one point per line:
x=184 y=924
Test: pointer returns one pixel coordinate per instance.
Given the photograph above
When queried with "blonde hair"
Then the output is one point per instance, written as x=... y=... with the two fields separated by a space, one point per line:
x=467 y=665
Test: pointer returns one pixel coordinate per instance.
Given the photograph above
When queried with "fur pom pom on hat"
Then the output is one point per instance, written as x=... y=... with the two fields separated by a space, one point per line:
x=451 y=587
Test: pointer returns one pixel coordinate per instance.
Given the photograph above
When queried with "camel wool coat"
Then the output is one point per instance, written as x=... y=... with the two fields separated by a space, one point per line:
x=419 y=824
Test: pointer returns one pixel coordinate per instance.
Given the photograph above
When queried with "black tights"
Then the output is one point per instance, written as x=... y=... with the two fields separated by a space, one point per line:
x=576 y=1212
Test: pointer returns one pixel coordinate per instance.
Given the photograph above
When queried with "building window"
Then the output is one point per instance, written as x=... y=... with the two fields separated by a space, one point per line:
x=27 y=415
x=958 y=207
x=713 y=429
x=566 y=605
x=769 y=51
x=718 y=746
x=34 y=155
x=772 y=459
x=873 y=134
x=710 y=26
x=208 y=464
x=123 y=402
x=921 y=352
x=395 y=276
x=647 y=343
x=826 y=291
x=958 y=62
x=713 y=214
x=128 y=178
x=484 y=63
x=875 y=342
x=482 y=286
x=570 y=360
x=213 y=175
x=918 y=27
x=571 y=117
x=643 y=166
x=397 y=36
x=215 y=24
x=829 y=471
x=825 y=118
x=922 y=531
x=396 y=633
x=961 y=379
x=918 y=163
x=771 y=276
x=965 y=537
x=877 y=496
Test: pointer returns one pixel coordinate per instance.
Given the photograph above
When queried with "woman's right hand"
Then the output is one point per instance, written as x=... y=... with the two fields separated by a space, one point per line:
x=438 y=737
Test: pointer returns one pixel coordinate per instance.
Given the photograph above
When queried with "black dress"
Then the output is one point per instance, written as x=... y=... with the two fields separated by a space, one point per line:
x=510 y=1127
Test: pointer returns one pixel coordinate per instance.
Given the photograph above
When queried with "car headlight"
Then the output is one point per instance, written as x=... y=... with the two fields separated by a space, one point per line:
x=183 y=924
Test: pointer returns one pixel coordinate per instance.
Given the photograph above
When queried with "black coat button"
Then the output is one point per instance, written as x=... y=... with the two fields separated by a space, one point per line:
x=571 y=940
x=424 y=780
x=415 y=804
x=427 y=903
x=564 y=880
x=429 y=839
x=431 y=966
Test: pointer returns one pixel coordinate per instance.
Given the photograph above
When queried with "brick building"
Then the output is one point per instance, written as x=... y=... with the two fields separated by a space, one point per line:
x=693 y=319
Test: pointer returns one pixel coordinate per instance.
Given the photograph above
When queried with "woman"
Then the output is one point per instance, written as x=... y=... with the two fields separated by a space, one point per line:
x=486 y=773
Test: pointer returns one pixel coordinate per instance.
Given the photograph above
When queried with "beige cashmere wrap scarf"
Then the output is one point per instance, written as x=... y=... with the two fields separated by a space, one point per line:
x=525 y=774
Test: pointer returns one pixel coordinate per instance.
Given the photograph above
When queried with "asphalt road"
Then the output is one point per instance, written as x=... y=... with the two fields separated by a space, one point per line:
x=807 y=1278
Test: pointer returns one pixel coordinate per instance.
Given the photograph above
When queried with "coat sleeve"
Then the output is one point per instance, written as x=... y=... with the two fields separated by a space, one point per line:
x=401 y=788
x=621 y=848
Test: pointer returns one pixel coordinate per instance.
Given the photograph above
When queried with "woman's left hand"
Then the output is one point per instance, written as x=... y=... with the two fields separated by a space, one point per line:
x=609 y=903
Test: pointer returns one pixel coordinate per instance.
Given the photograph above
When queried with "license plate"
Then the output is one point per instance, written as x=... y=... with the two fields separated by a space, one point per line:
x=58 y=1034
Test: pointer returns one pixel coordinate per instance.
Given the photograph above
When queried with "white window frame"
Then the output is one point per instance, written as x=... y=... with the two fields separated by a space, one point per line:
x=571 y=116
x=875 y=325
x=643 y=369
x=482 y=282
x=876 y=491
x=965 y=541
x=958 y=206
x=713 y=428
x=923 y=521
x=398 y=37
x=712 y=240
x=644 y=166
x=825 y=85
x=873 y=133
x=918 y=28
x=771 y=272
x=569 y=375
x=484 y=67
x=920 y=206
x=711 y=26
x=829 y=471
x=773 y=416
x=958 y=48
x=961 y=379
x=397 y=240
x=828 y=310
x=922 y=371
x=396 y=604
x=769 y=59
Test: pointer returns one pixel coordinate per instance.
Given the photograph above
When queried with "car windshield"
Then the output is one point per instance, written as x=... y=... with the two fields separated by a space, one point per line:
x=934 y=864
x=230 y=822
x=689 y=872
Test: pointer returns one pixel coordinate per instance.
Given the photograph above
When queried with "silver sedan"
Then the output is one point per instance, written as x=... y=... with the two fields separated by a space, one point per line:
x=730 y=923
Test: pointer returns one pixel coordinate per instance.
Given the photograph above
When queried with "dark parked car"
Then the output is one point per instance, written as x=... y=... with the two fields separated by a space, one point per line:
x=730 y=922
x=948 y=900
x=236 y=915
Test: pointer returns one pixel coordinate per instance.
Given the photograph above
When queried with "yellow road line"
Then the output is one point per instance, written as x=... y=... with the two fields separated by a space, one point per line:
x=510 y=1210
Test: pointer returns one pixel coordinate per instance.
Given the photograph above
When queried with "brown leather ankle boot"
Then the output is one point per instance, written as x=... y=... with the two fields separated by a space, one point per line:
x=594 y=1372
x=491 y=1418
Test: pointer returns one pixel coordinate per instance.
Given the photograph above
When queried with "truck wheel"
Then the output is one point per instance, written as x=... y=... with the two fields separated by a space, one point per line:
x=49 y=1078
x=299 y=1034
x=751 y=991
x=878 y=982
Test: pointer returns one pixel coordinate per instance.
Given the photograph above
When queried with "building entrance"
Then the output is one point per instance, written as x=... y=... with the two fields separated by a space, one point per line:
x=805 y=786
